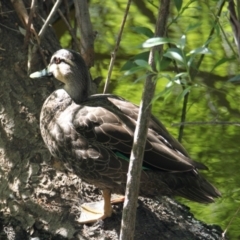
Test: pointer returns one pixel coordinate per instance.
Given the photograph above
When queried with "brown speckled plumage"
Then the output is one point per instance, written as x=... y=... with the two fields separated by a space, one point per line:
x=92 y=135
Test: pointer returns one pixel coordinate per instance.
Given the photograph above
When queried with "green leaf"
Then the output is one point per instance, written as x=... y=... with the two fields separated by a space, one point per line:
x=193 y=26
x=165 y=62
x=182 y=42
x=175 y=54
x=200 y=50
x=144 y=76
x=161 y=63
x=234 y=79
x=131 y=63
x=178 y=4
x=142 y=55
x=190 y=61
x=222 y=61
x=151 y=42
x=128 y=65
x=165 y=94
x=142 y=63
x=178 y=77
x=134 y=70
x=144 y=30
x=235 y=190
x=167 y=76
x=182 y=94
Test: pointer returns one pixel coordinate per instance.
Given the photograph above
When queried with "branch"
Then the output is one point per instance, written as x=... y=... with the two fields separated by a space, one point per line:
x=114 y=53
x=87 y=35
x=194 y=73
x=140 y=135
x=235 y=24
x=49 y=18
x=70 y=29
x=206 y=123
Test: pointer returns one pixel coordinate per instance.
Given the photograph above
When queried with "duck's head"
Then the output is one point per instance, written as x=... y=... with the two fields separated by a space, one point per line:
x=68 y=67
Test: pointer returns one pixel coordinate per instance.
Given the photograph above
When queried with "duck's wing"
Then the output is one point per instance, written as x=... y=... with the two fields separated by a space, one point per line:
x=111 y=123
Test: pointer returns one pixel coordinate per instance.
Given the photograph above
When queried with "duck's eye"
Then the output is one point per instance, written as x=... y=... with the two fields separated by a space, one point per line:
x=57 y=60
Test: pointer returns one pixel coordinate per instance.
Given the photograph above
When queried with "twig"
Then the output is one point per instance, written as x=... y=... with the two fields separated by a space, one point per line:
x=49 y=18
x=183 y=115
x=234 y=215
x=140 y=135
x=24 y=17
x=114 y=53
x=70 y=30
x=67 y=11
x=193 y=74
x=205 y=123
x=12 y=29
x=29 y=23
x=234 y=21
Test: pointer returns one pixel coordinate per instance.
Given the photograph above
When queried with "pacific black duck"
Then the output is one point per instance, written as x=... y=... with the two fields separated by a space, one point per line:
x=93 y=134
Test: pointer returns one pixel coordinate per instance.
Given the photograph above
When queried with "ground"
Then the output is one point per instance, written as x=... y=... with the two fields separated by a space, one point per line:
x=61 y=195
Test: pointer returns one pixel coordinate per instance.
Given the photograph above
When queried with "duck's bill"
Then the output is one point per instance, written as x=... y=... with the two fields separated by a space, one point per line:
x=44 y=73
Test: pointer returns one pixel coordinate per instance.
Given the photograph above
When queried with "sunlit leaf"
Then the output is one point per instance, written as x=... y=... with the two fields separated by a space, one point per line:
x=180 y=77
x=200 y=50
x=134 y=70
x=182 y=42
x=175 y=54
x=151 y=42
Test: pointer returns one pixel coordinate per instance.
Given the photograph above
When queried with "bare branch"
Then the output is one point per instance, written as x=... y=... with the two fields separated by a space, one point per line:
x=234 y=23
x=135 y=165
x=114 y=53
x=29 y=23
x=49 y=18
x=70 y=29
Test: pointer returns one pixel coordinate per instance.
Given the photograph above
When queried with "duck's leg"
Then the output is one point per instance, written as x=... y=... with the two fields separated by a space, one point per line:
x=107 y=203
x=92 y=212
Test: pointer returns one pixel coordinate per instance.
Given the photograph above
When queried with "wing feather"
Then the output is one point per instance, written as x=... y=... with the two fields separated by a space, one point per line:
x=113 y=127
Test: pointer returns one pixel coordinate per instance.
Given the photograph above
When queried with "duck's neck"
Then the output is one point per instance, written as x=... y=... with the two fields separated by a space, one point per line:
x=79 y=91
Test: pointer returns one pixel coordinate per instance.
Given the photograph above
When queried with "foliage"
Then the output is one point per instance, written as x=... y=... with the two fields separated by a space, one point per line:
x=199 y=59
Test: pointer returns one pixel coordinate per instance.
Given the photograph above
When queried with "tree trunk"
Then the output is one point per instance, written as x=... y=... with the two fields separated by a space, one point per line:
x=36 y=199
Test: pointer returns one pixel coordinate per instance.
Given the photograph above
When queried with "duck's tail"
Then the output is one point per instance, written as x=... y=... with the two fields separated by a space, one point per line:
x=198 y=189
x=190 y=185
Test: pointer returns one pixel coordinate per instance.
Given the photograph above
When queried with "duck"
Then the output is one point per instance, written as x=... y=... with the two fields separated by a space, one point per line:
x=92 y=136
